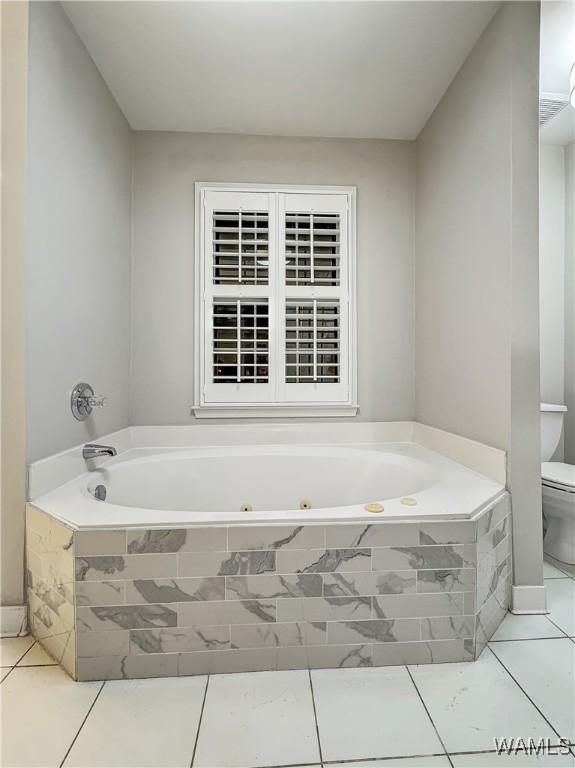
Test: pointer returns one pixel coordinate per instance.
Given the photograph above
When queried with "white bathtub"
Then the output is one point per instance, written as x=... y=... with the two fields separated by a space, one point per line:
x=239 y=484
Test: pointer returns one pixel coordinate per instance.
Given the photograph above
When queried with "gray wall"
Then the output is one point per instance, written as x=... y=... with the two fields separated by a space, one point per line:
x=78 y=238
x=552 y=272
x=477 y=337
x=569 y=434
x=166 y=165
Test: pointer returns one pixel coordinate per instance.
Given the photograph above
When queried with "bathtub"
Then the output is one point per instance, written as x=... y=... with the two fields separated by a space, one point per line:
x=262 y=553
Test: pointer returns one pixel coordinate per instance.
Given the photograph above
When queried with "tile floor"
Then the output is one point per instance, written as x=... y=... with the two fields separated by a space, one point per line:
x=409 y=717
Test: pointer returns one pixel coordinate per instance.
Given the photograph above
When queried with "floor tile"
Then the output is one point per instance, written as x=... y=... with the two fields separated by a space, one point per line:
x=141 y=723
x=515 y=627
x=363 y=713
x=491 y=760
x=434 y=761
x=4 y=671
x=561 y=603
x=13 y=648
x=471 y=703
x=36 y=657
x=551 y=571
x=545 y=669
x=258 y=719
x=42 y=710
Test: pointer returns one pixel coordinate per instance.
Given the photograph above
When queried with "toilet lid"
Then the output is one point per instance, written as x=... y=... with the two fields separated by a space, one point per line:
x=558 y=474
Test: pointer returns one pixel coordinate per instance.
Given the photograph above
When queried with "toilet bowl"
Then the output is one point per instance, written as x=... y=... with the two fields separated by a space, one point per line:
x=558 y=489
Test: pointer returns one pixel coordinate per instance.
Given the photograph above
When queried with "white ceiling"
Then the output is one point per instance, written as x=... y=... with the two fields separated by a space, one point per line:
x=344 y=69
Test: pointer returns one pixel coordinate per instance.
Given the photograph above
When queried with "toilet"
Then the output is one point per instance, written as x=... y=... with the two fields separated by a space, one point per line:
x=558 y=486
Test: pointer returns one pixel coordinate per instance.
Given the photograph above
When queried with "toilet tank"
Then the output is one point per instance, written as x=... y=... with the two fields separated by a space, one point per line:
x=551 y=425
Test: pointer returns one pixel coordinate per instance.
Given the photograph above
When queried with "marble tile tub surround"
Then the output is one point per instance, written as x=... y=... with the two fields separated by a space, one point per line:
x=152 y=603
x=50 y=581
x=53 y=471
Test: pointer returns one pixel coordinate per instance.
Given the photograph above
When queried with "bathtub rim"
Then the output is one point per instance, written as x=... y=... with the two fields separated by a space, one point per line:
x=466 y=492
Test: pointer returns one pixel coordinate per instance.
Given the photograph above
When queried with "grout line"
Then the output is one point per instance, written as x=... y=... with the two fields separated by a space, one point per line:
x=82 y=724
x=10 y=670
x=315 y=717
x=526 y=694
x=200 y=722
x=19 y=659
x=527 y=639
x=387 y=757
x=428 y=714
x=556 y=625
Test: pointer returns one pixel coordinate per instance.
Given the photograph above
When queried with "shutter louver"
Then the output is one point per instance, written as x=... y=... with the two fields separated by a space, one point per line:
x=312 y=342
x=240 y=248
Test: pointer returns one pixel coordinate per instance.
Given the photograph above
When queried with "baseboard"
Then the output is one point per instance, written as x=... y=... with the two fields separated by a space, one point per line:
x=13 y=620
x=528 y=599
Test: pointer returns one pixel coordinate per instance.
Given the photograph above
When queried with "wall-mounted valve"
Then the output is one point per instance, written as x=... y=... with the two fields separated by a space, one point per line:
x=83 y=401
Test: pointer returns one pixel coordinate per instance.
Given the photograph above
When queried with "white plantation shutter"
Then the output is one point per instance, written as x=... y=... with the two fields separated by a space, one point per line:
x=314 y=297
x=275 y=301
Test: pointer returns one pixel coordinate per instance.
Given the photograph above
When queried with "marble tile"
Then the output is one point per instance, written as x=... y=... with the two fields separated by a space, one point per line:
x=13 y=648
x=87 y=543
x=274 y=705
x=494 y=537
x=128 y=667
x=228 y=662
x=36 y=657
x=276 y=537
x=411 y=558
x=430 y=652
x=177 y=540
x=340 y=656
x=112 y=567
x=106 y=643
x=377 y=535
x=175 y=590
x=178 y=640
x=457 y=580
x=270 y=586
x=374 y=631
x=279 y=634
x=447 y=628
x=520 y=760
x=125 y=617
x=323 y=608
x=100 y=592
x=491 y=614
x=457 y=532
x=323 y=561
x=226 y=563
x=369 y=583
x=516 y=627
x=545 y=669
x=371 y=713
x=403 y=606
x=227 y=612
x=134 y=720
x=43 y=709
x=561 y=603
x=471 y=704
x=493 y=516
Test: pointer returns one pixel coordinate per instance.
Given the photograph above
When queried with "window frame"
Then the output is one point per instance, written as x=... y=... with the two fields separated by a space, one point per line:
x=204 y=409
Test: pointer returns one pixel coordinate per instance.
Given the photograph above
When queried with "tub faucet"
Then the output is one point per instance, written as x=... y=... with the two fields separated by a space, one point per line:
x=93 y=451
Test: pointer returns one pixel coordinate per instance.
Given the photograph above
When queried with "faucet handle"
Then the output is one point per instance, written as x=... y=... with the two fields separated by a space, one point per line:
x=83 y=401
x=95 y=401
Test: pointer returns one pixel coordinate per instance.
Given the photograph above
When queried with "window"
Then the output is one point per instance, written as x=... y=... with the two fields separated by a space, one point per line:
x=275 y=309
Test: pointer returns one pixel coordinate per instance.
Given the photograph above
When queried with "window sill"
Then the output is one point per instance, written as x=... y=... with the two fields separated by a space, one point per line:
x=272 y=411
